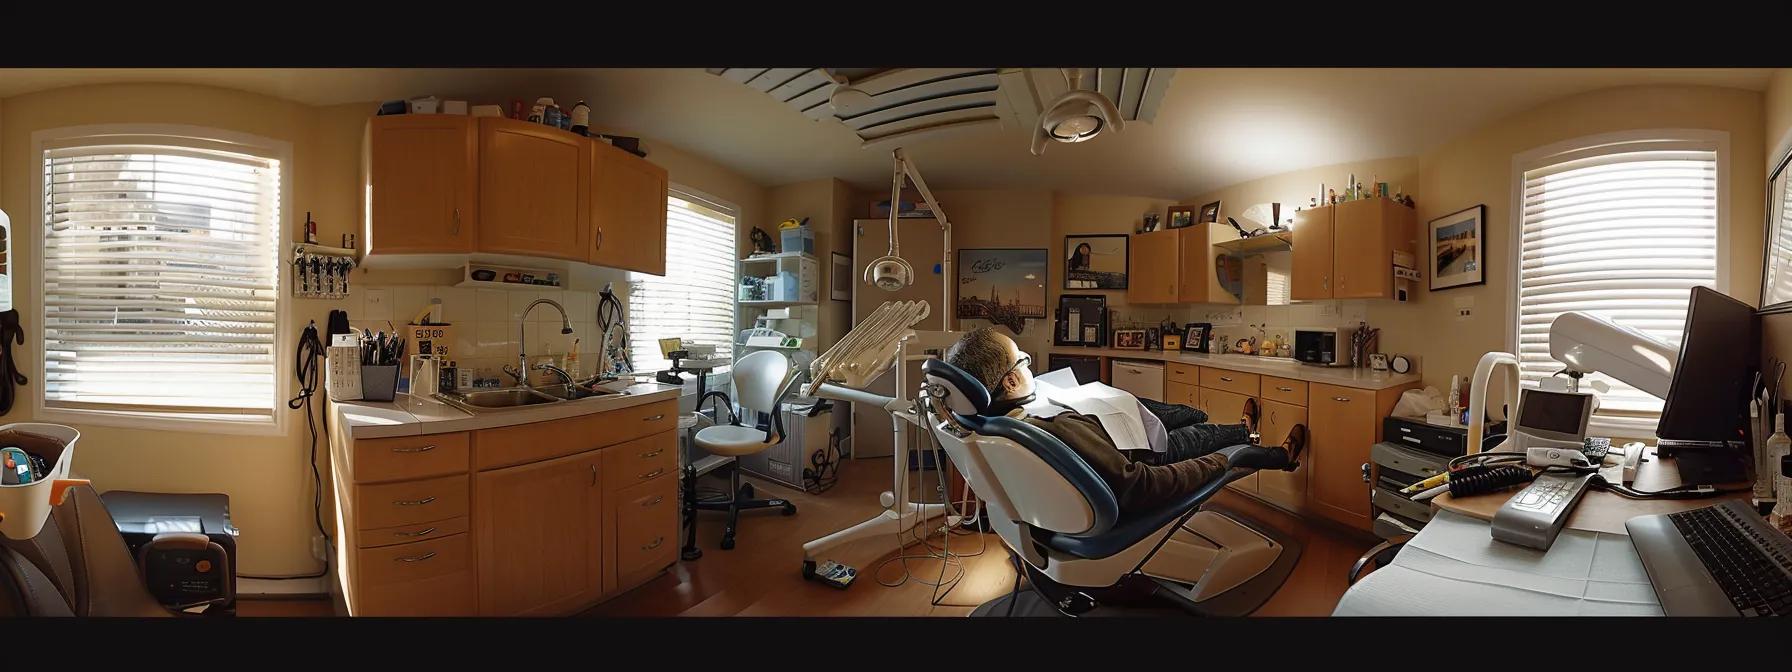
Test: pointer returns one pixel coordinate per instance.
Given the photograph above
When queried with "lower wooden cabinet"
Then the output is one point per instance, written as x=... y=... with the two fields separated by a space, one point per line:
x=644 y=520
x=540 y=530
x=1283 y=488
x=425 y=578
x=1225 y=408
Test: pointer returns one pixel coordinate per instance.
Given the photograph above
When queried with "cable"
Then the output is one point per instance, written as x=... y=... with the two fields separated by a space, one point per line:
x=305 y=368
x=1676 y=492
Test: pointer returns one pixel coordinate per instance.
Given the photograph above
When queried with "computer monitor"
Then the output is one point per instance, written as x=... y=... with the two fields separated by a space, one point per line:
x=1549 y=418
x=1707 y=401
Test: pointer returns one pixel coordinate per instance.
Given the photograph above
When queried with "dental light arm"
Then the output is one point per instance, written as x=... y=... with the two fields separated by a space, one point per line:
x=890 y=272
x=868 y=350
x=1584 y=344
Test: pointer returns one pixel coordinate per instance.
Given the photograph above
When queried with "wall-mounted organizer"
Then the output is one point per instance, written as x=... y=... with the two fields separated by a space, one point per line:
x=321 y=272
x=499 y=276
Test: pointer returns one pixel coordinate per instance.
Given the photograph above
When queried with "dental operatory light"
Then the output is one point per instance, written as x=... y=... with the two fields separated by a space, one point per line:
x=890 y=272
x=1076 y=116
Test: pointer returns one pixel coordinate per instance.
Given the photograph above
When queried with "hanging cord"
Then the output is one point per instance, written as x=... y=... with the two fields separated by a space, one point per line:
x=10 y=332
x=915 y=535
x=305 y=368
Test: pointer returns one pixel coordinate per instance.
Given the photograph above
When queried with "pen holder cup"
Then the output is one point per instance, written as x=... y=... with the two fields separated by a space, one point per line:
x=379 y=383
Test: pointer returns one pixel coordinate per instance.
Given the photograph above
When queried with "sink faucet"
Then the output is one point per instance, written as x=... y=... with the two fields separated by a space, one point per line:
x=522 y=354
x=564 y=376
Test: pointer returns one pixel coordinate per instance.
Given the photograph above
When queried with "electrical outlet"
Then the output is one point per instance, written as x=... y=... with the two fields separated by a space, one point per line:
x=320 y=548
x=1328 y=308
x=1465 y=308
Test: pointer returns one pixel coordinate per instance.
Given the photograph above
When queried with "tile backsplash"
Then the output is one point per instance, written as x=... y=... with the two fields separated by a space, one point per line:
x=1231 y=323
x=485 y=321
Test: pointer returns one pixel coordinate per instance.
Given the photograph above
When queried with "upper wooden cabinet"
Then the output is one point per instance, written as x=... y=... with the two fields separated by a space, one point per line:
x=1155 y=275
x=1346 y=251
x=533 y=195
x=421 y=183
x=628 y=211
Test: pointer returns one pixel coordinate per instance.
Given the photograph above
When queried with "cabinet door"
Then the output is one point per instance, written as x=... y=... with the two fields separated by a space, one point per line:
x=421 y=182
x=533 y=194
x=1342 y=425
x=1225 y=408
x=1311 y=277
x=1287 y=489
x=1195 y=266
x=540 y=528
x=1154 y=274
x=1362 y=257
x=1181 y=393
x=628 y=211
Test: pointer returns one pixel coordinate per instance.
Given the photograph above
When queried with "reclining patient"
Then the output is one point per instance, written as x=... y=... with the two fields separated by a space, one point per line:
x=1140 y=482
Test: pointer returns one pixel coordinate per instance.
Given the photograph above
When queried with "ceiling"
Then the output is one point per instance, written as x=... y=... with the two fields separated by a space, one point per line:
x=1215 y=127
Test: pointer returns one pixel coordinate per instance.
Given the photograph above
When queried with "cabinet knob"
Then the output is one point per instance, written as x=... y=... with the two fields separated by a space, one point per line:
x=1342 y=399
x=420 y=533
x=655 y=453
x=656 y=544
x=456 y=221
x=1365 y=472
x=1284 y=389
x=1225 y=379
x=415 y=449
x=594 y=474
x=661 y=416
x=657 y=499
x=419 y=558
x=414 y=502
x=600 y=238
x=650 y=474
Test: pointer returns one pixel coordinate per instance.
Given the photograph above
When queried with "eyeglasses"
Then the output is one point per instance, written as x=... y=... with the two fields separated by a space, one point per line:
x=1025 y=361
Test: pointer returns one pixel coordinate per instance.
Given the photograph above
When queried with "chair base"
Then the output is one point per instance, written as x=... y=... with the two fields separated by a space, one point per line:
x=742 y=500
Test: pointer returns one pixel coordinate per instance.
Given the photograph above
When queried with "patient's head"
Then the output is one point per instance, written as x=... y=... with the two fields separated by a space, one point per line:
x=994 y=360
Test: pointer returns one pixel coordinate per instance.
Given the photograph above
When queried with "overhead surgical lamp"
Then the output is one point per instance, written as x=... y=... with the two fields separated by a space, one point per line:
x=890 y=272
x=1078 y=115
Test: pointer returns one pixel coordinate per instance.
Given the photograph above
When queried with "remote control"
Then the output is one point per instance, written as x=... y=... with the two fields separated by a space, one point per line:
x=1535 y=515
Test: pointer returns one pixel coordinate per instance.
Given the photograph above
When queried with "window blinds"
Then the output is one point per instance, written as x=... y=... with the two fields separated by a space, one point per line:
x=160 y=276
x=695 y=299
x=1623 y=236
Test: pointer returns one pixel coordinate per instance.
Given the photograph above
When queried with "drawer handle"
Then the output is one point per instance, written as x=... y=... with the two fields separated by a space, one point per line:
x=653 y=473
x=594 y=474
x=657 y=499
x=661 y=416
x=1284 y=389
x=1343 y=399
x=420 y=533
x=419 y=558
x=656 y=544
x=1225 y=379
x=414 y=502
x=655 y=453
x=415 y=449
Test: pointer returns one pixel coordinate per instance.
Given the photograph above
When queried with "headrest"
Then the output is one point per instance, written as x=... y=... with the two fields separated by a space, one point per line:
x=965 y=395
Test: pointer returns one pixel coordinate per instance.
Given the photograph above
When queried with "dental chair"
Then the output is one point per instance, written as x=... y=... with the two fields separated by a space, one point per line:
x=1064 y=525
x=77 y=565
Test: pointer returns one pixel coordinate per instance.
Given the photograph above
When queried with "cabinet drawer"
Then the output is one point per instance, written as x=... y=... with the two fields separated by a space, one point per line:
x=405 y=534
x=641 y=460
x=424 y=578
x=1182 y=373
x=646 y=525
x=1230 y=381
x=522 y=444
x=410 y=502
x=1285 y=390
x=407 y=457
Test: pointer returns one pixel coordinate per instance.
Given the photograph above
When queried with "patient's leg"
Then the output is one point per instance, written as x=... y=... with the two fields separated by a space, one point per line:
x=1174 y=415
x=1187 y=443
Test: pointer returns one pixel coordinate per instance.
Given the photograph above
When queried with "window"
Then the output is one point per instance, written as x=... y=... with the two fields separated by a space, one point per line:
x=160 y=278
x=695 y=299
x=1623 y=231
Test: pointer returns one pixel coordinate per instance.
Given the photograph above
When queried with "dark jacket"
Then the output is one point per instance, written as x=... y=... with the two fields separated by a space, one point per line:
x=1137 y=485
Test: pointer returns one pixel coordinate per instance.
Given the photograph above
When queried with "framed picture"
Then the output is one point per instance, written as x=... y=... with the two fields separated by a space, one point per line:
x=840 y=281
x=1457 y=253
x=1096 y=262
x=1172 y=342
x=1195 y=336
x=1181 y=216
x=1210 y=212
x=1004 y=286
x=1151 y=339
x=1150 y=223
x=1082 y=320
x=1129 y=339
x=1776 y=272
x=1378 y=361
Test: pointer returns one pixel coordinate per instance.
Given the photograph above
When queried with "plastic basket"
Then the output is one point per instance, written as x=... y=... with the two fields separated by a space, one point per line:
x=27 y=506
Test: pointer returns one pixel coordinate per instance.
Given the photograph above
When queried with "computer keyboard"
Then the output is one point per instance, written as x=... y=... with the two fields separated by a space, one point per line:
x=1755 y=573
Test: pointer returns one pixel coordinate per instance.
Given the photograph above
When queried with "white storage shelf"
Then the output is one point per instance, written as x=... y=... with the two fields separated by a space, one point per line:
x=802 y=269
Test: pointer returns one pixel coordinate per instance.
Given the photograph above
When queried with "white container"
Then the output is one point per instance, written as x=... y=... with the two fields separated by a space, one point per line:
x=454 y=107
x=488 y=110
x=424 y=105
x=28 y=506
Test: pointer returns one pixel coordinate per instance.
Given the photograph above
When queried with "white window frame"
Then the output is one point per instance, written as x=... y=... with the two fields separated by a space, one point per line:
x=31 y=239
x=1603 y=144
x=718 y=378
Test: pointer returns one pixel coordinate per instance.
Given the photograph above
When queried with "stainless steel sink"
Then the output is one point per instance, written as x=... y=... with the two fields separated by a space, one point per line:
x=485 y=400
x=573 y=392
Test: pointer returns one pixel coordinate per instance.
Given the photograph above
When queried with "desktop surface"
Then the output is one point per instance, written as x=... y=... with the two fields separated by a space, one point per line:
x=1601 y=511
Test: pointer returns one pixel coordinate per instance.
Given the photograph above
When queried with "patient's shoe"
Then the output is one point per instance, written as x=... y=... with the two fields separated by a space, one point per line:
x=1295 y=444
x=1251 y=414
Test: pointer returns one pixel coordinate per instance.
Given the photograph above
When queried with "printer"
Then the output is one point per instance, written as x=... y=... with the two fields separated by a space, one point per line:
x=184 y=545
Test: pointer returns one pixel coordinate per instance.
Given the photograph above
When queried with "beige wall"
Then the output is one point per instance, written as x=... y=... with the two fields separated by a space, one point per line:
x=825 y=203
x=1777 y=139
x=266 y=477
x=1295 y=189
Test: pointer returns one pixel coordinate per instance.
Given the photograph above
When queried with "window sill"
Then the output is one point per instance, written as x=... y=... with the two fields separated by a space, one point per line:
x=271 y=426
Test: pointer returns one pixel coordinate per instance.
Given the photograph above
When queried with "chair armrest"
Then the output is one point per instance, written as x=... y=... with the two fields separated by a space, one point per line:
x=726 y=403
x=1387 y=548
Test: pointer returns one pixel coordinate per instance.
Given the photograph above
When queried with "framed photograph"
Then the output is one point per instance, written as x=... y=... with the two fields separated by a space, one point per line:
x=1172 y=342
x=1082 y=320
x=1129 y=339
x=1210 y=212
x=1457 y=254
x=1776 y=271
x=840 y=281
x=1181 y=216
x=1150 y=223
x=1378 y=361
x=1151 y=339
x=1195 y=337
x=1004 y=286
x=1096 y=262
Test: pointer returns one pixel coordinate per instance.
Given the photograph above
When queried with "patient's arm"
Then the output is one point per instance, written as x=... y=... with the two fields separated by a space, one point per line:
x=1137 y=486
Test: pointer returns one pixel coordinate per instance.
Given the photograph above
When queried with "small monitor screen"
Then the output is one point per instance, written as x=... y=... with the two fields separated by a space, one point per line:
x=1559 y=412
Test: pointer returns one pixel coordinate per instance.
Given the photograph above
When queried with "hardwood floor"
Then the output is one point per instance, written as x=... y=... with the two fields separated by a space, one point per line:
x=762 y=575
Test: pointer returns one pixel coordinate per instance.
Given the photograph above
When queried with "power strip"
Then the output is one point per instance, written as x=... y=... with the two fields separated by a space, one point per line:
x=1633 y=456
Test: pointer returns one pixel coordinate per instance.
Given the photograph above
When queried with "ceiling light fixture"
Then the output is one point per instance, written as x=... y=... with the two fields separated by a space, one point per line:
x=1076 y=116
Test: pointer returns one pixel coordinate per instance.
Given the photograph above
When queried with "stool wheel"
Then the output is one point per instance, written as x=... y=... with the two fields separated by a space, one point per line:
x=727 y=543
x=789 y=509
x=746 y=490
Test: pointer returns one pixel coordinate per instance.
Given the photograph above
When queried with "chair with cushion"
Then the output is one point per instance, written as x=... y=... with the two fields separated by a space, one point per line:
x=761 y=380
x=78 y=565
x=1063 y=522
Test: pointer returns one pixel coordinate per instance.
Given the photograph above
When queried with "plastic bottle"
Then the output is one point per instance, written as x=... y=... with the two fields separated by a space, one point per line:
x=1778 y=446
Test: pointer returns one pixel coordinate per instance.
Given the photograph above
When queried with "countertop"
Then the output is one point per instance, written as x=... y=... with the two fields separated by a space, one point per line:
x=1364 y=379
x=410 y=416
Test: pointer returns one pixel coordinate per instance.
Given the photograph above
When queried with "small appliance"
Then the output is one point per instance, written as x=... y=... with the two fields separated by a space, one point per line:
x=1323 y=347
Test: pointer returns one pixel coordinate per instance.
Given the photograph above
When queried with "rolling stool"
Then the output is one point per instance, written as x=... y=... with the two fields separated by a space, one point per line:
x=760 y=380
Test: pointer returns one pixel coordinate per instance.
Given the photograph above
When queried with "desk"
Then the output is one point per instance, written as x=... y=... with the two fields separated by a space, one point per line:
x=1601 y=511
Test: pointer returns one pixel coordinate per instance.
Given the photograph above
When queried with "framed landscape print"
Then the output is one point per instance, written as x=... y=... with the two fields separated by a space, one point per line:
x=1457 y=250
x=1776 y=275
x=1096 y=261
x=1004 y=286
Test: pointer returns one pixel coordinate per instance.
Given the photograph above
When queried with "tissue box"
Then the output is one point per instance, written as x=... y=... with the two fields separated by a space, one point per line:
x=799 y=239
